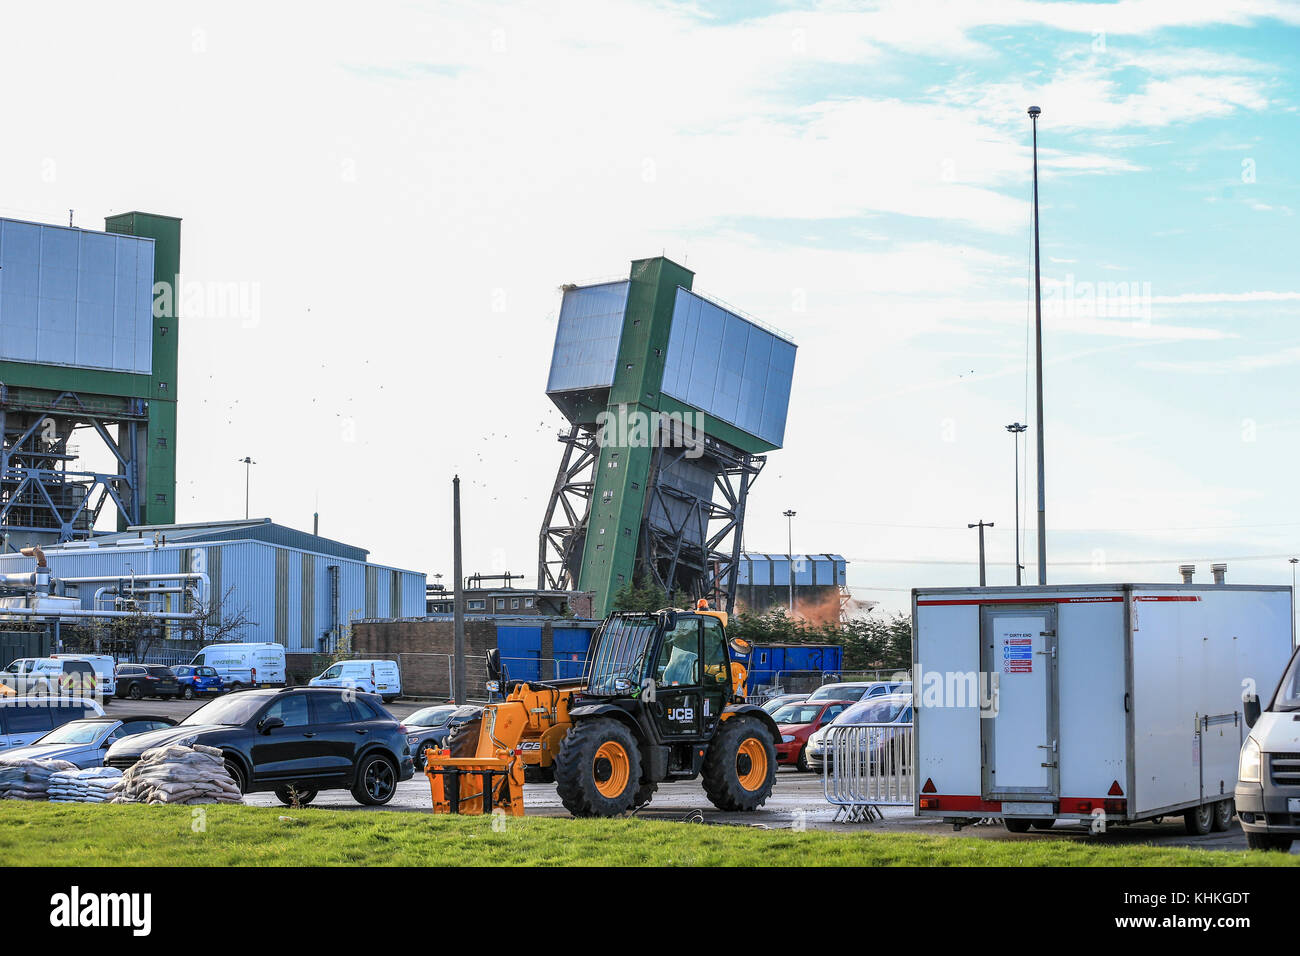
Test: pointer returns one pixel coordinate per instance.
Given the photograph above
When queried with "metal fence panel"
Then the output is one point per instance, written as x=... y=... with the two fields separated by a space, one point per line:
x=868 y=766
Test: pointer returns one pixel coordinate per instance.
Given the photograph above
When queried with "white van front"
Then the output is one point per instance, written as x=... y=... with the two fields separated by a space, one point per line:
x=1268 y=778
x=371 y=676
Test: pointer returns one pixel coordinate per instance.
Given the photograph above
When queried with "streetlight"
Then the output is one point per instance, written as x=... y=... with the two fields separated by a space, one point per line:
x=789 y=530
x=1034 y=111
x=1294 y=562
x=1016 y=428
x=981 y=525
x=248 y=464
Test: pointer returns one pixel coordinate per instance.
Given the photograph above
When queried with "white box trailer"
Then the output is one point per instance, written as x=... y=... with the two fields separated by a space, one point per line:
x=1042 y=703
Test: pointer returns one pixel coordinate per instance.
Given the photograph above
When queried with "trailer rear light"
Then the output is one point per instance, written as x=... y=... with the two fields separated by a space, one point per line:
x=1119 y=807
x=929 y=803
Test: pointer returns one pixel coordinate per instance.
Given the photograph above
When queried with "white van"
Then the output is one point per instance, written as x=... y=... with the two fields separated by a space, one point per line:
x=1268 y=778
x=245 y=665
x=105 y=669
x=371 y=676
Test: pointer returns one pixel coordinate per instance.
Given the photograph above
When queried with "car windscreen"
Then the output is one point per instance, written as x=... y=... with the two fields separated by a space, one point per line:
x=430 y=717
x=797 y=713
x=879 y=710
x=76 y=732
x=1288 y=693
x=620 y=654
x=839 y=692
x=233 y=710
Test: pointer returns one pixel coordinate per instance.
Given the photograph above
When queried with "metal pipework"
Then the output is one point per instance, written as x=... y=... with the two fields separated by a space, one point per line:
x=83 y=613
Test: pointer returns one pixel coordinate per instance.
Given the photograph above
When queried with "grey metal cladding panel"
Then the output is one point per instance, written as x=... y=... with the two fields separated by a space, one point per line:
x=69 y=297
x=372 y=592
x=587 y=337
x=394 y=594
x=307 y=627
x=281 y=597
x=725 y=365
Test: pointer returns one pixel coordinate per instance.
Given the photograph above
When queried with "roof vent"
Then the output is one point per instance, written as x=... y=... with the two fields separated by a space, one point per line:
x=1187 y=570
x=1219 y=571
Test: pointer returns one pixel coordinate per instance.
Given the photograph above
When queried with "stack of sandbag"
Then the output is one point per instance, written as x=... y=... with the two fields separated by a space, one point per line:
x=22 y=778
x=178 y=774
x=84 y=786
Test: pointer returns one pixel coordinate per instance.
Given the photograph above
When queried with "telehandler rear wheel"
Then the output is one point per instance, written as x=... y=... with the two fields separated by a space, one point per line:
x=740 y=767
x=598 y=769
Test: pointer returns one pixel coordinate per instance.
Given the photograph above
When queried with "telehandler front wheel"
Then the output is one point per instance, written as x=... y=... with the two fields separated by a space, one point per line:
x=740 y=767
x=598 y=769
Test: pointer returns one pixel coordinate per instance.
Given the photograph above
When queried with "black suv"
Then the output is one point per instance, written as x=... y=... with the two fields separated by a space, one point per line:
x=293 y=741
x=146 y=680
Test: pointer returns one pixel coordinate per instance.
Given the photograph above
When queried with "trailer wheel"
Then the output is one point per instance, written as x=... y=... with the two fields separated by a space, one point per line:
x=1268 y=841
x=1017 y=826
x=1043 y=824
x=740 y=767
x=1224 y=811
x=597 y=768
x=1199 y=820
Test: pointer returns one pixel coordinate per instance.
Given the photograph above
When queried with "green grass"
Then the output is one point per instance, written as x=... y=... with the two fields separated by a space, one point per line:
x=37 y=834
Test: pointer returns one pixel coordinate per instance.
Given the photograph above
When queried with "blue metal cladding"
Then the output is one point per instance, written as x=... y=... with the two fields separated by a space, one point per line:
x=77 y=298
x=587 y=337
x=729 y=367
x=521 y=651
x=569 y=645
x=769 y=661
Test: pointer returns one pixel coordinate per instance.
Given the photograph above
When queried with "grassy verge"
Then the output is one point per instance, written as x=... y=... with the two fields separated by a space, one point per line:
x=60 y=835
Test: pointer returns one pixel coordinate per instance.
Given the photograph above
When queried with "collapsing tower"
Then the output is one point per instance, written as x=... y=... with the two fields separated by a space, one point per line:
x=87 y=345
x=672 y=401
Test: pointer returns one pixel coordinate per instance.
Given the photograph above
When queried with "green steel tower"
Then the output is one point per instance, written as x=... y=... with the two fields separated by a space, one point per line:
x=88 y=350
x=673 y=401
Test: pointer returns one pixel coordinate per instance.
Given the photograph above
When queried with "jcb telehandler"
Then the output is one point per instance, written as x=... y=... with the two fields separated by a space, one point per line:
x=662 y=698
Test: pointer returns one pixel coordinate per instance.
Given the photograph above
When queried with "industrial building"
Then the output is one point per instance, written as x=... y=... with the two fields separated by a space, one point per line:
x=673 y=400
x=291 y=587
x=817 y=584
x=528 y=602
x=88 y=350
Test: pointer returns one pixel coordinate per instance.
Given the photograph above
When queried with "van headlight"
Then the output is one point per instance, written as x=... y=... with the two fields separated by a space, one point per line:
x=1249 y=771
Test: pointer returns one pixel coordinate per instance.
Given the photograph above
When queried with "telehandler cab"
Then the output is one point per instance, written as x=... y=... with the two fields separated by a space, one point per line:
x=662 y=698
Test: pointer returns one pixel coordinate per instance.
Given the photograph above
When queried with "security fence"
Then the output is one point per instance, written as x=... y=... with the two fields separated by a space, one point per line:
x=869 y=766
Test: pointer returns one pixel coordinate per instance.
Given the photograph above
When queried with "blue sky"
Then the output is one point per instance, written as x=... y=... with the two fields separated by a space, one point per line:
x=407 y=191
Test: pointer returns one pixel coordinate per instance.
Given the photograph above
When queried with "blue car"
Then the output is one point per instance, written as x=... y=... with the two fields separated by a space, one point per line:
x=197 y=680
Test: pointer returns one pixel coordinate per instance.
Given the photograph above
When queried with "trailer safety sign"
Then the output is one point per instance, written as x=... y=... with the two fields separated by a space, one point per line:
x=1017 y=654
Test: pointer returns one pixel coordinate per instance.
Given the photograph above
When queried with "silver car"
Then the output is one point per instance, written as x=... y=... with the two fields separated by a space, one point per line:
x=890 y=709
x=84 y=742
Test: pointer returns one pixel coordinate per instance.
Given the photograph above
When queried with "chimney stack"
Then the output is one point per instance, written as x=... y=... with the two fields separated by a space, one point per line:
x=1219 y=571
x=1187 y=570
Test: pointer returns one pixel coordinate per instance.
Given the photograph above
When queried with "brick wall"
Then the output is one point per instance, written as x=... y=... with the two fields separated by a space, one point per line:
x=423 y=650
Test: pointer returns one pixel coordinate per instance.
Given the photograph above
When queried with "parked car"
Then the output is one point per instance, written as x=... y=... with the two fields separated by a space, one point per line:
x=146 y=680
x=430 y=726
x=370 y=676
x=779 y=701
x=23 y=720
x=245 y=665
x=197 y=680
x=83 y=742
x=103 y=665
x=890 y=709
x=797 y=721
x=293 y=741
x=50 y=676
x=857 y=690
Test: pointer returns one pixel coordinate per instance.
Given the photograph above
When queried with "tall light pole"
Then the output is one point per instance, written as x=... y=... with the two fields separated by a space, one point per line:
x=789 y=530
x=981 y=525
x=1034 y=111
x=1294 y=562
x=1016 y=428
x=248 y=464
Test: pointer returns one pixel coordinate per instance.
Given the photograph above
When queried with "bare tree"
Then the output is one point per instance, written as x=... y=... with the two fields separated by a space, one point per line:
x=217 y=620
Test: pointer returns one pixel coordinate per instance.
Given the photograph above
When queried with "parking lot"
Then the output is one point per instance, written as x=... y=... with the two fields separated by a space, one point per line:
x=797 y=800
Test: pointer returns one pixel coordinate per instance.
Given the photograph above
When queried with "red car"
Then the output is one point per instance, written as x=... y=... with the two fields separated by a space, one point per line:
x=797 y=721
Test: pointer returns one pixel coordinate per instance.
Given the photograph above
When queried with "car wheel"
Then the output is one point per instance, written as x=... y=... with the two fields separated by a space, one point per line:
x=237 y=774
x=1268 y=841
x=1199 y=820
x=236 y=686
x=286 y=796
x=417 y=755
x=376 y=781
x=801 y=764
x=188 y=693
x=134 y=692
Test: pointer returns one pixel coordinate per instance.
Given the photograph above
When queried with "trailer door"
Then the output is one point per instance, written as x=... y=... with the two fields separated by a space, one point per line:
x=1019 y=740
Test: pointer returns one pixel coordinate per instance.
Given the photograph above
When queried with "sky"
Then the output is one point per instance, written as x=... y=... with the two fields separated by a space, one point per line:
x=395 y=193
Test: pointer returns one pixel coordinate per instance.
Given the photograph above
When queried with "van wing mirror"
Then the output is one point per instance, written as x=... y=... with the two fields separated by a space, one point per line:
x=1251 y=709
